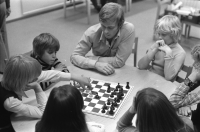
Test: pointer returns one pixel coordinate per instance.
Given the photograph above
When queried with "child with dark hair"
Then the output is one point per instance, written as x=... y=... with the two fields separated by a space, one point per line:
x=63 y=112
x=154 y=114
x=23 y=73
x=45 y=47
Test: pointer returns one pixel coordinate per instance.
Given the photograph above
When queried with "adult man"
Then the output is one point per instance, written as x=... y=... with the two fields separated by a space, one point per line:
x=111 y=42
x=182 y=99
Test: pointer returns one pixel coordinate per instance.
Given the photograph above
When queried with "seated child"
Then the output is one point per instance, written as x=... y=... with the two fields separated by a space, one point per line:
x=182 y=99
x=165 y=57
x=23 y=73
x=63 y=112
x=45 y=47
x=154 y=114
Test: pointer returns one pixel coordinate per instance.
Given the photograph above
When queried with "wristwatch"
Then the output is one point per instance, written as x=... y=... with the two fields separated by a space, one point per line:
x=188 y=82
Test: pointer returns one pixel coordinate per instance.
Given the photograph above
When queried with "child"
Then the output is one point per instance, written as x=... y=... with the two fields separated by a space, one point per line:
x=63 y=112
x=45 y=47
x=23 y=73
x=166 y=56
x=154 y=114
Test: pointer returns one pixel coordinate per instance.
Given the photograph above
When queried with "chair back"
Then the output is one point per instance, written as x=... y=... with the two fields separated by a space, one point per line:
x=134 y=52
x=187 y=70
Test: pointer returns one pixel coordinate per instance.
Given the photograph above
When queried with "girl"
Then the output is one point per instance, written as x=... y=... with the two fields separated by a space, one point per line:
x=166 y=56
x=23 y=73
x=63 y=112
x=154 y=114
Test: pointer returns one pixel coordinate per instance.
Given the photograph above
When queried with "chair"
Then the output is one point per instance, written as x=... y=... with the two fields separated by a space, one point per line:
x=187 y=70
x=134 y=52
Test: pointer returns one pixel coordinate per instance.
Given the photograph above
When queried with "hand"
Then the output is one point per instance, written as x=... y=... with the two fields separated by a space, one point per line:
x=132 y=108
x=105 y=68
x=195 y=75
x=61 y=67
x=157 y=44
x=165 y=48
x=185 y=111
x=35 y=86
x=82 y=81
x=8 y=11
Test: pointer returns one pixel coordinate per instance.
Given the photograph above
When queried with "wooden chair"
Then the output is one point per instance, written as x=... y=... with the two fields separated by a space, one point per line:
x=187 y=70
x=134 y=52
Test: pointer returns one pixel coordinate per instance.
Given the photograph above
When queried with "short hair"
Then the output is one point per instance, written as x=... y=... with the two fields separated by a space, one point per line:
x=19 y=71
x=169 y=24
x=63 y=111
x=112 y=12
x=195 y=53
x=155 y=113
x=43 y=42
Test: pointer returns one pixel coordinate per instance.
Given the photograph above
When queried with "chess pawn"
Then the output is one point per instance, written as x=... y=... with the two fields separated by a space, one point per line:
x=108 y=102
x=127 y=85
x=112 y=95
x=108 y=89
x=103 y=111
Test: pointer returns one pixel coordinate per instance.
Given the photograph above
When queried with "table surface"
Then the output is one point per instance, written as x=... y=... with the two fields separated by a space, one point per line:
x=138 y=78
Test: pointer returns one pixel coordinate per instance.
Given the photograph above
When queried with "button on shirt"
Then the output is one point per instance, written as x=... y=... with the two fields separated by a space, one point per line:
x=115 y=53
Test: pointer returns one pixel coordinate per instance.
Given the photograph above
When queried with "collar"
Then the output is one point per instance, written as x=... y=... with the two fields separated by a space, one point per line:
x=102 y=38
x=172 y=45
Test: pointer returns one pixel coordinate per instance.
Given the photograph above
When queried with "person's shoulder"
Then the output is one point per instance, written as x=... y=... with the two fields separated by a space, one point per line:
x=180 y=49
x=93 y=29
x=127 y=26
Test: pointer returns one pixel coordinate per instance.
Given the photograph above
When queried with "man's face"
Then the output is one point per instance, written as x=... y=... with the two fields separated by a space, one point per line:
x=109 y=28
x=49 y=56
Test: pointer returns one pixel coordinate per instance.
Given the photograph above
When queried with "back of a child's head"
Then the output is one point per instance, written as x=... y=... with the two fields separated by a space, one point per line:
x=155 y=113
x=195 y=53
x=169 y=24
x=19 y=71
x=64 y=110
x=45 y=41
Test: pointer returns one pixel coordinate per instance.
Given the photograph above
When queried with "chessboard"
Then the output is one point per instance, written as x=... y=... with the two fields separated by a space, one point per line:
x=106 y=98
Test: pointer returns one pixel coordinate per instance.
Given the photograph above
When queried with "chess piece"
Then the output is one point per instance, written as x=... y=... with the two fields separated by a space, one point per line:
x=103 y=111
x=111 y=110
x=96 y=96
x=118 y=86
x=127 y=85
x=108 y=89
x=105 y=107
x=112 y=95
x=114 y=103
x=108 y=102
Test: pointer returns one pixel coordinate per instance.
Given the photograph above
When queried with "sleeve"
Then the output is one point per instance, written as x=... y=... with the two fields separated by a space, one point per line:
x=124 y=48
x=54 y=76
x=181 y=98
x=17 y=106
x=173 y=64
x=125 y=123
x=95 y=127
x=7 y=4
x=78 y=57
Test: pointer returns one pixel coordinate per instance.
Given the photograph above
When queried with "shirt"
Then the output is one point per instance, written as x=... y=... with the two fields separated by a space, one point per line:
x=17 y=106
x=167 y=65
x=181 y=97
x=93 y=39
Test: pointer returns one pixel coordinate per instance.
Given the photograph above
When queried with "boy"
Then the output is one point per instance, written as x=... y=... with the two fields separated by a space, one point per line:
x=45 y=47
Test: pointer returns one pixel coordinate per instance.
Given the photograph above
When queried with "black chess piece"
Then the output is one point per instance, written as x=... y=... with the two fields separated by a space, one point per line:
x=108 y=102
x=127 y=85
x=105 y=107
x=103 y=111
x=96 y=96
x=111 y=110
x=118 y=86
x=115 y=103
x=108 y=89
x=112 y=95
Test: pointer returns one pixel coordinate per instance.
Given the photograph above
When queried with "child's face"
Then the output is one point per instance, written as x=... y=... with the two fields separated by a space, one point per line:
x=166 y=37
x=49 y=56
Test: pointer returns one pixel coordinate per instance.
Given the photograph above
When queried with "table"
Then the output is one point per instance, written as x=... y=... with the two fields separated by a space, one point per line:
x=138 y=78
x=127 y=7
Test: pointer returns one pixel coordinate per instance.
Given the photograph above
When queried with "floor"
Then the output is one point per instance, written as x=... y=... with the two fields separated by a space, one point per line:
x=69 y=30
